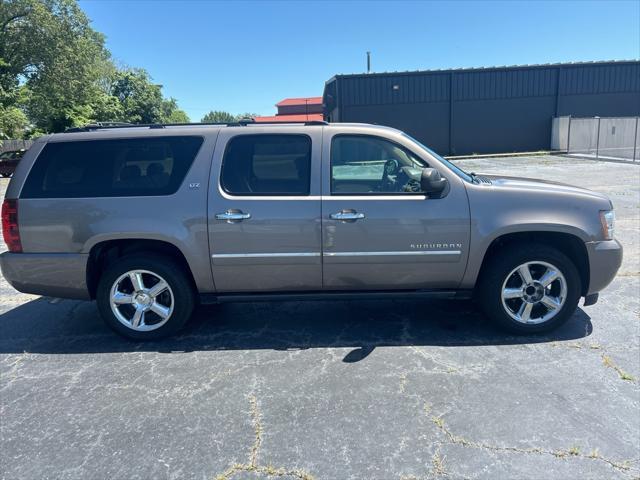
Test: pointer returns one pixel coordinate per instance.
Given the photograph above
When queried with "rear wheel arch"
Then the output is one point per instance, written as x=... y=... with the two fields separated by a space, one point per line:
x=145 y=296
x=570 y=245
x=106 y=252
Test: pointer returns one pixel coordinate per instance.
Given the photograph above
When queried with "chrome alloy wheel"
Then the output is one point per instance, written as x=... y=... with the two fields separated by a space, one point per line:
x=534 y=292
x=141 y=300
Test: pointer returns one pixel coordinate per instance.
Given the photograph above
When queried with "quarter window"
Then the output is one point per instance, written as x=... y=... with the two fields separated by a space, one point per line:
x=112 y=168
x=267 y=165
x=367 y=165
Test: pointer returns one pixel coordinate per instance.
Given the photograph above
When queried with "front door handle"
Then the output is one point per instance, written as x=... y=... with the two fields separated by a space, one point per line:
x=347 y=216
x=233 y=216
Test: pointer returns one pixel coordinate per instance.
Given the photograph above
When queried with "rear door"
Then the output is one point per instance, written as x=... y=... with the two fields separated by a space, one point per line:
x=264 y=209
x=380 y=232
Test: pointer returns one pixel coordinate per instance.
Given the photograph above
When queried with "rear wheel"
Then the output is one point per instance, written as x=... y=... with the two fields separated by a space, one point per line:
x=145 y=297
x=530 y=289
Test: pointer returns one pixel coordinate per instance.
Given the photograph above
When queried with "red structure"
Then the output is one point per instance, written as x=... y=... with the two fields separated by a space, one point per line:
x=296 y=110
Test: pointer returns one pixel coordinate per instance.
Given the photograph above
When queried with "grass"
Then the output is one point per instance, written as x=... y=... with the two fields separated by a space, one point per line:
x=608 y=362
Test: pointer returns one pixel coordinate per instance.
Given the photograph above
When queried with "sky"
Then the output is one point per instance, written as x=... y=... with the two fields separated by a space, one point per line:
x=245 y=56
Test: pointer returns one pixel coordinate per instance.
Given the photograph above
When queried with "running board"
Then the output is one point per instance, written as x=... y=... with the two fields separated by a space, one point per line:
x=212 y=298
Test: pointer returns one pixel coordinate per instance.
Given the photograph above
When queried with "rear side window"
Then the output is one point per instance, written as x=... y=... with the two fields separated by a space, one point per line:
x=267 y=165
x=111 y=168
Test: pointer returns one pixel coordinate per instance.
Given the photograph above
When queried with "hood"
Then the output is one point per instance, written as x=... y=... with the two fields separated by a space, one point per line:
x=543 y=186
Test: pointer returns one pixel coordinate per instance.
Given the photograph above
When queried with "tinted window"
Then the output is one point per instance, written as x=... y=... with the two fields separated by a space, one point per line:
x=112 y=168
x=371 y=165
x=267 y=165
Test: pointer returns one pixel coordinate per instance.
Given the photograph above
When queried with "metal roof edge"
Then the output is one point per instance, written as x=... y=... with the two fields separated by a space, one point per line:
x=486 y=69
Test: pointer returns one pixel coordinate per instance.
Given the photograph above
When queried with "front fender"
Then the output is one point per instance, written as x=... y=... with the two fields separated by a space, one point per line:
x=496 y=213
x=482 y=244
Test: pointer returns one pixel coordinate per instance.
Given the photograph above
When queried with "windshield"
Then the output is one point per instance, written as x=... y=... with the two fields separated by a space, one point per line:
x=455 y=169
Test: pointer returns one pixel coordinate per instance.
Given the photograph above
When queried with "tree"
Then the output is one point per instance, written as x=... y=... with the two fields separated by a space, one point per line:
x=17 y=50
x=49 y=50
x=141 y=100
x=56 y=69
x=172 y=114
x=246 y=115
x=217 y=116
x=13 y=123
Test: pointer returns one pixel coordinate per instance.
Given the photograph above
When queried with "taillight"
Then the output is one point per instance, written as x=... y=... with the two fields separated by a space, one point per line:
x=10 y=230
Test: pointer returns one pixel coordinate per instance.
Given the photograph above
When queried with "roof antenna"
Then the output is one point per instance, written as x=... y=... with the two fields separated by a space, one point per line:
x=368 y=62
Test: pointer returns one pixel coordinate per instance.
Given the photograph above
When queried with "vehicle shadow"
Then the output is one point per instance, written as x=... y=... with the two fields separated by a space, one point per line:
x=71 y=327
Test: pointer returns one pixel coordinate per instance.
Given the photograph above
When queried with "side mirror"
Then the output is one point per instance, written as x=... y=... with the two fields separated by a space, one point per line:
x=431 y=182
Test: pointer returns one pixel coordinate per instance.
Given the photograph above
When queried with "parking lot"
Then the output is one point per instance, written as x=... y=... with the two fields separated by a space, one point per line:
x=387 y=389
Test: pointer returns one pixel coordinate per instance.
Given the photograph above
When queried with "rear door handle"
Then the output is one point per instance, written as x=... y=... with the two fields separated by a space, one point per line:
x=233 y=216
x=347 y=216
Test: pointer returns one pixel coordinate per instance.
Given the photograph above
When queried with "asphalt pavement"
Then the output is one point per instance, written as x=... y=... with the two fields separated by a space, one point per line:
x=376 y=389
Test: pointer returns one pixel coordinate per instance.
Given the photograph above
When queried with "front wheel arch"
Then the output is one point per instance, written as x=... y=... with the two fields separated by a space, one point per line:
x=550 y=303
x=570 y=245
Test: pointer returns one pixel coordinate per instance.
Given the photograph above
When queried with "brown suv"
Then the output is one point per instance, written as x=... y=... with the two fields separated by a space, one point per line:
x=150 y=220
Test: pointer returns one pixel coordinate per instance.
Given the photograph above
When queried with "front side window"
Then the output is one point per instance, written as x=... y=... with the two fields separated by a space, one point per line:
x=367 y=165
x=112 y=168
x=267 y=165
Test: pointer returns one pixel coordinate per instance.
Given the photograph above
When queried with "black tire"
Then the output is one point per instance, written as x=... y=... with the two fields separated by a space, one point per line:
x=495 y=273
x=6 y=175
x=173 y=273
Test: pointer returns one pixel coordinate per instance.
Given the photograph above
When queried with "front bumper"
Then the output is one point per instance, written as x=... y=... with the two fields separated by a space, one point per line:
x=605 y=259
x=61 y=275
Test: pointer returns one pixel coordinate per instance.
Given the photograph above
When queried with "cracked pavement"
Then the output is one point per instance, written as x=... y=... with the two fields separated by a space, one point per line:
x=387 y=389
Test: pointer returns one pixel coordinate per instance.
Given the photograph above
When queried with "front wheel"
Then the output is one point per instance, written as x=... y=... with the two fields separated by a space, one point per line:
x=145 y=297
x=530 y=289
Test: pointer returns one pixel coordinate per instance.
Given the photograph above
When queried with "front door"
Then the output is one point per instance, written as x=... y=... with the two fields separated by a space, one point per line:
x=264 y=209
x=380 y=232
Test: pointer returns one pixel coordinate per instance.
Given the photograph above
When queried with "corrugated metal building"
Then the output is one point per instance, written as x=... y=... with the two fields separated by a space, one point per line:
x=485 y=110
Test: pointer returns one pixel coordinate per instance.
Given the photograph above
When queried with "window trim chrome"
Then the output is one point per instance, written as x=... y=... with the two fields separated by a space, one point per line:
x=321 y=197
x=414 y=197
x=254 y=198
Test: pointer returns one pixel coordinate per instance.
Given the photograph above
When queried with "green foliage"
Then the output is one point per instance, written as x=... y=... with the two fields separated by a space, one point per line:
x=13 y=123
x=56 y=70
x=216 y=116
x=141 y=100
x=246 y=116
x=176 y=115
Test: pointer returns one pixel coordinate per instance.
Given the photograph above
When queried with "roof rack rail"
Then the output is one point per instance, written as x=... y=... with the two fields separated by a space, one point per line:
x=98 y=125
x=240 y=123
x=103 y=125
x=245 y=122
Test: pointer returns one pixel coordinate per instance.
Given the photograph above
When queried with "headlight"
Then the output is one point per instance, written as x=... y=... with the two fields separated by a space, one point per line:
x=607 y=219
